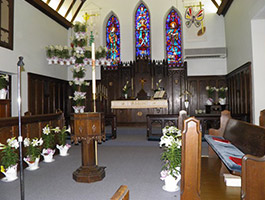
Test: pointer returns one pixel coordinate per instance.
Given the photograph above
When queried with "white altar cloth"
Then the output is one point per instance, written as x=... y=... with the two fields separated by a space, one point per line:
x=138 y=104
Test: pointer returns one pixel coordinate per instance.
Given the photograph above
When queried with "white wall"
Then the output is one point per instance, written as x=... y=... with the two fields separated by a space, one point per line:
x=245 y=41
x=32 y=32
x=258 y=41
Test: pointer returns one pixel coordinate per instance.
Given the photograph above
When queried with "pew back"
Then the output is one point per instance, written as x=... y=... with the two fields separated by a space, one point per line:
x=248 y=138
x=121 y=194
x=31 y=125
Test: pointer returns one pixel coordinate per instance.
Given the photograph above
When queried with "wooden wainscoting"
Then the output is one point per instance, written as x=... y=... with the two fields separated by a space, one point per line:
x=47 y=94
x=240 y=91
x=197 y=87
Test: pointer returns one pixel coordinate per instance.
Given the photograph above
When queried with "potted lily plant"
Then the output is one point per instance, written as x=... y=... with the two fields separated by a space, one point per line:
x=33 y=152
x=171 y=157
x=222 y=95
x=4 y=79
x=48 y=144
x=61 y=136
x=9 y=159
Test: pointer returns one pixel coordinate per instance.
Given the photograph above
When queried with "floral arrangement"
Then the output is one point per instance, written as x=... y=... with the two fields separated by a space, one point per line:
x=210 y=91
x=158 y=85
x=79 y=52
x=222 y=92
x=3 y=81
x=48 y=137
x=33 y=148
x=125 y=88
x=9 y=155
x=61 y=134
x=171 y=157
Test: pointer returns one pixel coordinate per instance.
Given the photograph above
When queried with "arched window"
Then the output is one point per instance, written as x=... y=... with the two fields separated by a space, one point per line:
x=113 y=40
x=173 y=38
x=142 y=32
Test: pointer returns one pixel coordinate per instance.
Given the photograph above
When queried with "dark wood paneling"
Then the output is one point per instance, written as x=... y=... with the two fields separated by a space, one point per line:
x=46 y=95
x=239 y=83
x=197 y=87
x=5 y=110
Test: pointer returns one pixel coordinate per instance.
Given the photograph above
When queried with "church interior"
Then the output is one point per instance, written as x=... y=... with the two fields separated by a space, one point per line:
x=118 y=73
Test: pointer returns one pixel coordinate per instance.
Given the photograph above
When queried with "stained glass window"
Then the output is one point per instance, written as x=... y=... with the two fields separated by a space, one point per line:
x=173 y=38
x=142 y=32
x=113 y=40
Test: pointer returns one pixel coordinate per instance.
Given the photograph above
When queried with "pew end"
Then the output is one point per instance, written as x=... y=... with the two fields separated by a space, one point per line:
x=252 y=186
x=121 y=194
x=191 y=160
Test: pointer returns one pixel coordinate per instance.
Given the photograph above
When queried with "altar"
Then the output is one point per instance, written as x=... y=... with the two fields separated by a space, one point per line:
x=135 y=111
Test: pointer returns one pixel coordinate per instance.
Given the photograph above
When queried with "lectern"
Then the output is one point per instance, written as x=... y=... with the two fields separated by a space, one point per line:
x=88 y=128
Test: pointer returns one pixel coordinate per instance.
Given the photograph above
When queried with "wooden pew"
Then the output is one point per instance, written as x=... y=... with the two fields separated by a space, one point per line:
x=121 y=194
x=191 y=160
x=262 y=118
x=253 y=187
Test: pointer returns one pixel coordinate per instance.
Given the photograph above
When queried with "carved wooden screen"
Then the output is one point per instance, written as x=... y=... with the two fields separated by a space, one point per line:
x=173 y=38
x=6 y=23
x=142 y=32
x=113 y=40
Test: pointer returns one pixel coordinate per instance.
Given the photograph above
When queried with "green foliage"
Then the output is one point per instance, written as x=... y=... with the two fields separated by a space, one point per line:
x=3 y=81
x=48 y=138
x=61 y=136
x=9 y=157
x=33 y=152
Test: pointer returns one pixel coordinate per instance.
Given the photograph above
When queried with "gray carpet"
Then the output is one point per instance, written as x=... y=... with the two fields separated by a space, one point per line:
x=130 y=160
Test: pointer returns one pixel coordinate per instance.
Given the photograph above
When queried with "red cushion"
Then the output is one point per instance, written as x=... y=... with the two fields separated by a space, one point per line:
x=220 y=140
x=238 y=161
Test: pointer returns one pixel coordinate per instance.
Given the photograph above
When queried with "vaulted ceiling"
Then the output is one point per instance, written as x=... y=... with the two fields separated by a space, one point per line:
x=65 y=11
x=62 y=11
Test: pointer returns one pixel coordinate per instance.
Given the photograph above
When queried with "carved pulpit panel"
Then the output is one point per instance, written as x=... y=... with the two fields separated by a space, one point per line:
x=88 y=126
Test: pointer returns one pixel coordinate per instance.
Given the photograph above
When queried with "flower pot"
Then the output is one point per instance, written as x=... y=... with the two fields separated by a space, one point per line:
x=186 y=104
x=32 y=165
x=48 y=155
x=63 y=149
x=49 y=61
x=209 y=102
x=171 y=183
x=10 y=174
x=222 y=101
x=76 y=109
x=126 y=96
x=3 y=93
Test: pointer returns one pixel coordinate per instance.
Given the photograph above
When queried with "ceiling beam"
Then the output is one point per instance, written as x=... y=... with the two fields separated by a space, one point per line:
x=60 y=5
x=223 y=8
x=77 y=11
x=70 y=8
x=42 y=6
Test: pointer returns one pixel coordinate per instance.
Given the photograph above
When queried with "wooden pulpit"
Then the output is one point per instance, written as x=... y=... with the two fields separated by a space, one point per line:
x=88 y=128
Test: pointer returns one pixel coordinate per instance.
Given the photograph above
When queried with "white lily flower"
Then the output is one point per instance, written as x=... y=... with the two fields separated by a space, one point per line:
x=46 y=130
x=40 y=141
x=26 y=142
x=57 y=129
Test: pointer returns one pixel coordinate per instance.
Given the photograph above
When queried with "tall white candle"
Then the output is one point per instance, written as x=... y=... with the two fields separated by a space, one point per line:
x=93 y=51
x=93 y=69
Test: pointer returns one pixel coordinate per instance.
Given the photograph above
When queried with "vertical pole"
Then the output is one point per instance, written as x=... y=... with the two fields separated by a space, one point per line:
x=20 y=65
x=94 y=76
x=94 y=93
